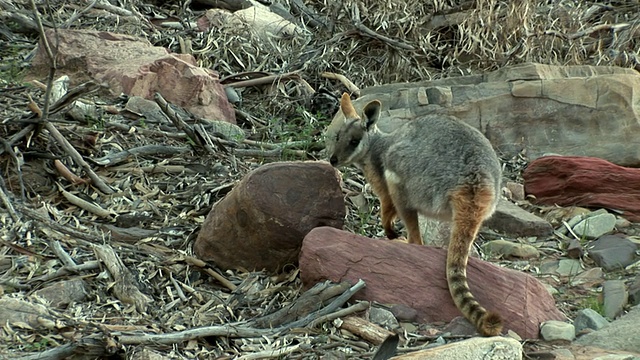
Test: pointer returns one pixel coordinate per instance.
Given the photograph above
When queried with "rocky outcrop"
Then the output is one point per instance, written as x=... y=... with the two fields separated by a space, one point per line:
x=566 y=110
x=133 y=66
x=414 y=276
x=584 y=181
x=261 y=223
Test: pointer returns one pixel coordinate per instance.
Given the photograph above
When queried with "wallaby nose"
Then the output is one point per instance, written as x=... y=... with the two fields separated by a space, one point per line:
x=333 y=160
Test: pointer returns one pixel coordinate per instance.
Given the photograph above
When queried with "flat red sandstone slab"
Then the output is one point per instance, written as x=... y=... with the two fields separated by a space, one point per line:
x=413 y=275
x=584 y=181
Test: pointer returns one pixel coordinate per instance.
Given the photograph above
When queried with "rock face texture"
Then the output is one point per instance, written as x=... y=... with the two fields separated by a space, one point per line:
x=414 y=276
x=566 y=110
x=474 y=348
x=584 y=181
x=133 y=66
x=621 y=334
x=261 y=223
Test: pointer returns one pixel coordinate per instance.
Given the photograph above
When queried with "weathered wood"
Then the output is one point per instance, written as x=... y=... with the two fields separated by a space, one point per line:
x=365 y=329
x=310 y=301
x=125 y=287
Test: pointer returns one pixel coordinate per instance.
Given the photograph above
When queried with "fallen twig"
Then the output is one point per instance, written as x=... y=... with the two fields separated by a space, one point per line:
x=68 y=174
x=395 y=43
x=353 y=89
x=119 y=157
x=203 y=265
x=7 y=202
x=83 y=204
x=177 y=120
x=272 y=79
x=229 y=330
x=54 y=225
x=357 y=307
x=125 y=288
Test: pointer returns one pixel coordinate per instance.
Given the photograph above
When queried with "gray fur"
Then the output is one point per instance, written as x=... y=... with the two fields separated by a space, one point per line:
x=431 y=155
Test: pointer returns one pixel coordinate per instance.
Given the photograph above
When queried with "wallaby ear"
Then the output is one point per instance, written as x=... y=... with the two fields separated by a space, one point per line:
x=371 y=113
x=347 y=107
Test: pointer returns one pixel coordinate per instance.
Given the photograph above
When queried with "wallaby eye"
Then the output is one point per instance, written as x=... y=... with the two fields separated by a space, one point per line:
x=354 y=142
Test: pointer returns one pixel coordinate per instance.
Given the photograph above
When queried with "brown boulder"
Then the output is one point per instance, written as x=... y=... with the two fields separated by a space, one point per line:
x=133 y=66
x=584 y=181
x=414 y=276
x=261 y=223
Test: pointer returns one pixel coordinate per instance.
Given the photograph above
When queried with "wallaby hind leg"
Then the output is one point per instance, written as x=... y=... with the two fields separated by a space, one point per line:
x=410 y=219
x=388 y=214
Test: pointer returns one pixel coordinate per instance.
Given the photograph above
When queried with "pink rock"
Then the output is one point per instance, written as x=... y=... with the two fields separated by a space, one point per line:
x=133 y=66
x=414 y=276
x=261 y=223
x=584 y=181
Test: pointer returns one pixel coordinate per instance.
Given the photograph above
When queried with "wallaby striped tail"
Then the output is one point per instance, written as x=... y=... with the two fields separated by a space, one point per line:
x=471 y=205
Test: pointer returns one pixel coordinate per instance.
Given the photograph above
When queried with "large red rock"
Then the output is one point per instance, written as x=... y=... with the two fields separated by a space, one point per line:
x=133 y=66
x=261 y=223
x=414 y=276
x=584 y=181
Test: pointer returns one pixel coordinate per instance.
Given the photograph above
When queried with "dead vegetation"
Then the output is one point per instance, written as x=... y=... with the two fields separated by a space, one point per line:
x=63 y=218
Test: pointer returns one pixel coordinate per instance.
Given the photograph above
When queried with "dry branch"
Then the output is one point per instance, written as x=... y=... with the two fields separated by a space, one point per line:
x=124 y=287
x=395 y=43
x=353 y=89
x=203 y=265
x=366 y=329
x=179 y=123
x=83 y=204
x=119 y=157
x=46 y=222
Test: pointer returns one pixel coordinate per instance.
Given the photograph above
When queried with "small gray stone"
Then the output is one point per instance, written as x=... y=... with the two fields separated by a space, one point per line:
x=62 y=293
x=615 y=298
x=595 y=226
x=557 y=330
x=622 y=223
x=589 y=278
x=562 y=354
x=634 y=291
x=510 y=248
x=621 y=334
x=589 y=319
x=617 y=357
x=511 y=220
x=226 y=130
x=383 y=317
x=613 y=252
x=569 y=267
x=516 y=190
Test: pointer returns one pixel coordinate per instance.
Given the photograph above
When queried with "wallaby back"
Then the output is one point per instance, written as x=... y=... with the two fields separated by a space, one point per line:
x=435 y=165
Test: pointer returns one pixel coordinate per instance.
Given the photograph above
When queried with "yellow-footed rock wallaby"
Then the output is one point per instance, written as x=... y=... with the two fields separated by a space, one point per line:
x=434 y=165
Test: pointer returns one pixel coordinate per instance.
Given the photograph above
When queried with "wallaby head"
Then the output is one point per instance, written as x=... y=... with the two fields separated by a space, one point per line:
x=348 y=136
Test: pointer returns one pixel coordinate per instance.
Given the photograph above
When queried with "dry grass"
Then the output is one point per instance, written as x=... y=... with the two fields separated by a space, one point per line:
x=426 y=40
